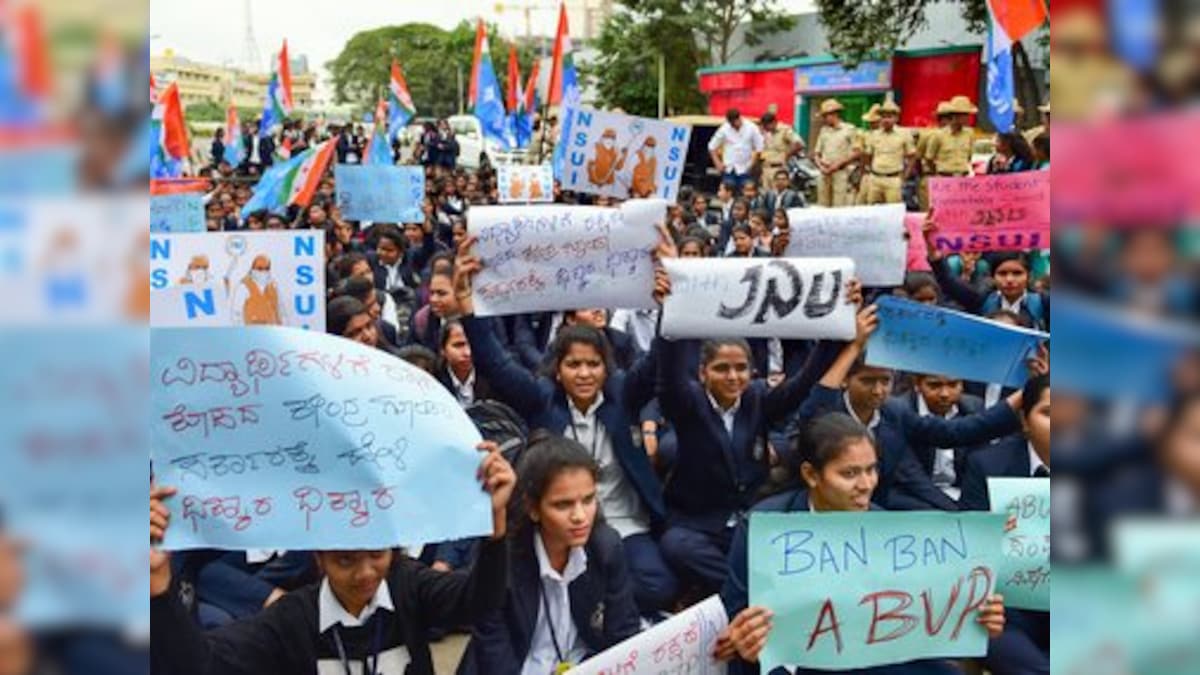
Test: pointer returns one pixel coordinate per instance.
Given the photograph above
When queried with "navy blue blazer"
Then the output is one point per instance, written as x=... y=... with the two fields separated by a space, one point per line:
x=903 y=484
x=971 y=300
x=967 y=405
x=531 y=337
x=718 y=475
x=1007 y=458
x=602 y=605
x=735 y=593
x=543 y=403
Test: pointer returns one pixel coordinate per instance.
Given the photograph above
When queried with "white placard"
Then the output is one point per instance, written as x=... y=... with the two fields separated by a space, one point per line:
x=682 y=644
x=208 y=279
x=549 y=258
x=802 y=298
x=621 y=155
x=874 y=236
x=523 y=183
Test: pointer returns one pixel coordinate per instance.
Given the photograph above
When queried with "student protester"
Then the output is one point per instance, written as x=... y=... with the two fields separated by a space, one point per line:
x=1010 y=273
x=781 y=195
x=584 y=397
x=840 y=467
x=348 y=317
x=739 y=214
x=374 y=300
x=370 y=613
x=396 y=264
x=721 y=424
x=940 y=396
x=1025 y=645
x=456 y=369
x=851 y=386
x=571 y=595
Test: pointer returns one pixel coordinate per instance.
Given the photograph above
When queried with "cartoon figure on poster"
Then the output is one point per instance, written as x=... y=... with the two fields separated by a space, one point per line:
x=271 y=280
x=618 y=155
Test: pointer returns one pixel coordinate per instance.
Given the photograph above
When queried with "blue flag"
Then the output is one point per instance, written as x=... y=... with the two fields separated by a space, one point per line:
x=489 y=105
x=570 y=101
x=999 y=76
x=269 y=193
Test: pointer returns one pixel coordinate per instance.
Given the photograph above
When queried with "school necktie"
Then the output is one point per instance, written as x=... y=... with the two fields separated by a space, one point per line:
x=1041 y=472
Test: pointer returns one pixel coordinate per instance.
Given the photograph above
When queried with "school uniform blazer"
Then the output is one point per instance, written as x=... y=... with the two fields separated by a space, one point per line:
x=283 y=639
x=718 y=474
x=602 y=605
x=903 y=484
x=973 y=301
x=967 y=405
x=1007 y=458
x=735 y=593
x=543 y=403
x=483 y=388
x=530 y=338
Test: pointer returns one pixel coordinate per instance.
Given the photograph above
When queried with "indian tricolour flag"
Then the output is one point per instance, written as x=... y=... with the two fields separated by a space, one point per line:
x=400 y=104
x=301 y=182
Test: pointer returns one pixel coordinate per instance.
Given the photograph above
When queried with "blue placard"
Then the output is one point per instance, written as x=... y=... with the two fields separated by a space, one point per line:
x=833 y=77
x=852 y=590
x=380 y=193
x=1113 y=355
x=933 y=340
x=183 y=212
x=286 y=439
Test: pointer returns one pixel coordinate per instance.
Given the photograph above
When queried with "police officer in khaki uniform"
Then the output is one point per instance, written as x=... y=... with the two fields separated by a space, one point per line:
x=942 y=113
x=948 y=152
x=1040 y=129
x=861 y=172
x=834 y=153
x=888 y=151
x=779 y=143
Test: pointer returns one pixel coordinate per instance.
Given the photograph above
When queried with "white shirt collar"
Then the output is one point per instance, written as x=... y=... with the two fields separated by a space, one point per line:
x=875 y=419
x=727 y=416
x=1014 y=307
x=583 y=415
x=924 y=411
x=330 y=611
x=462 y=384
x=1034 y=460
x=576 y=562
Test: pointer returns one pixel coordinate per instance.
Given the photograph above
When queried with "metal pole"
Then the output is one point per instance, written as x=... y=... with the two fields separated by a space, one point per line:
x=662 y=86
x=459 y=78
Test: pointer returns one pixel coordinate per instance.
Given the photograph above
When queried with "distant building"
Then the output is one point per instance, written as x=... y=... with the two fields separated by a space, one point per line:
x=204 y=82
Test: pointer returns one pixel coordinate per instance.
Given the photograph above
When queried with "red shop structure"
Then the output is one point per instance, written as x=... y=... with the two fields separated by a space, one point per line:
x=918 y=79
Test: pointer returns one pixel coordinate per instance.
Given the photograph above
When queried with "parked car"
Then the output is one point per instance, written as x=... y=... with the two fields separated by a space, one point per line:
x=473 y=145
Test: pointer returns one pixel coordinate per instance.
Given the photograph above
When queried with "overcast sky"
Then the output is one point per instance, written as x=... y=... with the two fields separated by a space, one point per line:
x=213 y=31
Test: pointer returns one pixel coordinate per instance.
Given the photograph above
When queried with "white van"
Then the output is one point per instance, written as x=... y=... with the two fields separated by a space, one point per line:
x=472 y=144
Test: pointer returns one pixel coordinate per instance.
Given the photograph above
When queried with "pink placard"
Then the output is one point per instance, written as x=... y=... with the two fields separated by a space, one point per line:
x=1004 y=212
x=918 y=258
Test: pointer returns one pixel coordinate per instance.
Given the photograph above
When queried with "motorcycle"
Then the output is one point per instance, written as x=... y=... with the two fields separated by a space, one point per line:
x=803 y=174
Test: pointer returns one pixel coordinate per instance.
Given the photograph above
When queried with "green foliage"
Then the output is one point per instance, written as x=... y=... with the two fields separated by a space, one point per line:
x=431 y=59
x=209 y=111
x=861 y=31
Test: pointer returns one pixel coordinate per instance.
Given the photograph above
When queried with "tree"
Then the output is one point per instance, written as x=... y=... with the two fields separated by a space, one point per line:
x=860 y=31
x=626 y=70
x=431 y=57
x=717 y=21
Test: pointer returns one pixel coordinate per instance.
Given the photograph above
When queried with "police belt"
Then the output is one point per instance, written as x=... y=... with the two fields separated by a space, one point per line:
x=952 y=173
x=886 y=175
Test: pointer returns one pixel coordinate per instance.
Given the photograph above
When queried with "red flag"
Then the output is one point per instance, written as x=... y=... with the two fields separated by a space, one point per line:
x=514 y=79
x=531 y=88
x=285 y=78
x=172 y=186
x=1018 y=17
x=34 y=54
x=556 y=65
x=174 y=138
x=480 y=33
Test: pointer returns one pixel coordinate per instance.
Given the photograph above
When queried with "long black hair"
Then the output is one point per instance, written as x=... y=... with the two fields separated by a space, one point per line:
x=546 y=456
x=583 y=335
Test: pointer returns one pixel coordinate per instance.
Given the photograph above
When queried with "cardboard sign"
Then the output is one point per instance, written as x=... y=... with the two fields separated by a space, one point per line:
x=519 y=183
x=380 y=193
x=623 y=156
x=1005 y=212
x=873 y=236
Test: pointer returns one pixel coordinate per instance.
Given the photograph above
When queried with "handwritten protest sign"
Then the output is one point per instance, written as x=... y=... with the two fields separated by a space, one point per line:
x=380 y=193
x=918 y=257
x=238 y=278
x=564 y=257
x=1103 y=338
x=183 y=212
x=681 y=644
x=758 y=297
x=286 y=439
x=72 y=479
x=851 y=590
x=1023 y=574
x=1004 y=212
x=524 y=183
x=873 y=236
x=933 y=340
x=623 y=156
